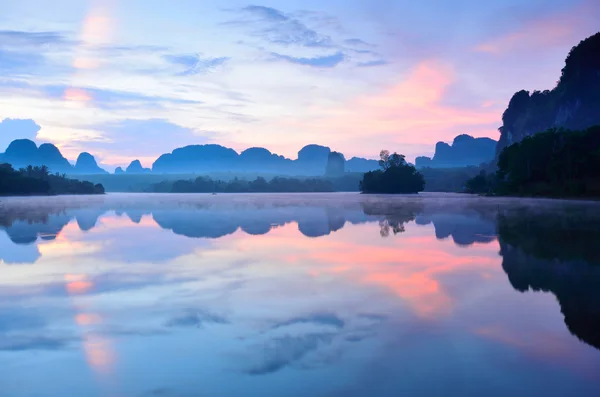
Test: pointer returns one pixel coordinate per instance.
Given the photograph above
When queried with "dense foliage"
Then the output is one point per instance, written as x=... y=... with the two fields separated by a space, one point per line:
x=395 y=177
x=38 y=181
x=553 y=163
x=259 y=185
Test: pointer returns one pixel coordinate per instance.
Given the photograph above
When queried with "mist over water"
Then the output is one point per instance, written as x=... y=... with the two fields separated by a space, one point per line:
x=295 y=295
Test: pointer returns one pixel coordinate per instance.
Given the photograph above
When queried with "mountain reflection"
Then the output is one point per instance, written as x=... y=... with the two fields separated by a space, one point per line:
x=557 y=253
x=314 y=219
x=551 y=248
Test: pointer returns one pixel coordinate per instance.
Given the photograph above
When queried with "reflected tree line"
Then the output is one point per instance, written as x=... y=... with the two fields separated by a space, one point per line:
x=553 y=250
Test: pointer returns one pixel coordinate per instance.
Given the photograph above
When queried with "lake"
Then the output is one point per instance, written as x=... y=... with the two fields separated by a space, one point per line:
x=298 y=295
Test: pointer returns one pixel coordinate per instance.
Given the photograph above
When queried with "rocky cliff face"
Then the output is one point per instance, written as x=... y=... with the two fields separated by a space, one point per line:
x=573 y=104
x=464 y=151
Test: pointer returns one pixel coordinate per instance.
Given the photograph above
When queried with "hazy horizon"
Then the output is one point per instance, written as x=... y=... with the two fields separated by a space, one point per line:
x=133 y=80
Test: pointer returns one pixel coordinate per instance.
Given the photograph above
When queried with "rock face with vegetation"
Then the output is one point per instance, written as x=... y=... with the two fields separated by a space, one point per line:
x=335 y=164
x=573 y=104
x=550 y=140
x=396 y=176
x=464 y=151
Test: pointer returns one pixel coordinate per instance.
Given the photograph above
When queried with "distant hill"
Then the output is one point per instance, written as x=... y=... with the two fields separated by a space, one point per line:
x=465 y=151
x=573 y=104
x=194 y=159
x=136 y=168
x=86 y=164
x=24 y=152
x=312 y=161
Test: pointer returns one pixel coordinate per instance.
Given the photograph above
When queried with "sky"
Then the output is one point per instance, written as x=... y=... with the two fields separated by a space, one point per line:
x=133 y=79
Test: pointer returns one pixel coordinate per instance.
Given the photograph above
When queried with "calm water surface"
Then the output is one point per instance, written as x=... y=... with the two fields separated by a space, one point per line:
x=298 y=295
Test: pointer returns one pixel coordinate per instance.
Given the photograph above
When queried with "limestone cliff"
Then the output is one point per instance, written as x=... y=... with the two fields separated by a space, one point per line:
x=574 y=103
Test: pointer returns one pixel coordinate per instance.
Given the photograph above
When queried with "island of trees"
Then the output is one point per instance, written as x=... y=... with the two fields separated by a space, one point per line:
x=39 y=181
x=396 y=176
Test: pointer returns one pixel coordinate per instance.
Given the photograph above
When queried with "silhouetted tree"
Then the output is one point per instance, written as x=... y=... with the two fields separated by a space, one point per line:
x=395 y=176
x=384 y=159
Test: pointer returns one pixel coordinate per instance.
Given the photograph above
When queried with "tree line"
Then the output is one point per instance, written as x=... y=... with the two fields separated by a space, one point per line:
x=205 y=184
x=557 y=162
x=38 y=181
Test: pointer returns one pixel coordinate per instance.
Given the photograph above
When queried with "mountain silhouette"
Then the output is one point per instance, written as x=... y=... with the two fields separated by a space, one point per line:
x=312 y=161
x=464 y=151
x=135 y=167
x=359 y=164
x=24 y=152
x=194 y=159
x=86 y=164
x=573 y=104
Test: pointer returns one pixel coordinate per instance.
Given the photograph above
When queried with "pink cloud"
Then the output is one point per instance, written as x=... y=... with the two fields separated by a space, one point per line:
x=556 y=30
x=408 y=115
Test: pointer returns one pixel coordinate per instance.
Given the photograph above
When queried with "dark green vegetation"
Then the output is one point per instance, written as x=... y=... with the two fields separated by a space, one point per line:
x=555 y=163
x=137 y=183
x=38 y=181
x=395 y=177
x=259 y=185
x=573 y=104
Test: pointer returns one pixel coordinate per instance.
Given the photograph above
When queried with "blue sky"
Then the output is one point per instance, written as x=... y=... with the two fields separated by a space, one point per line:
x=127 y=79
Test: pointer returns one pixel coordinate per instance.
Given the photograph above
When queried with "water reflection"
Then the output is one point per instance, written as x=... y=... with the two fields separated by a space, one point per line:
x=291 y=295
